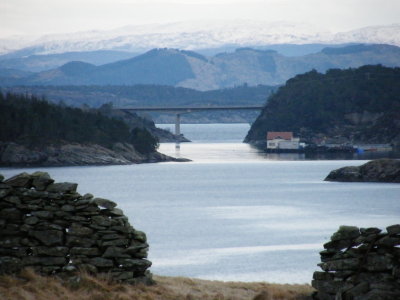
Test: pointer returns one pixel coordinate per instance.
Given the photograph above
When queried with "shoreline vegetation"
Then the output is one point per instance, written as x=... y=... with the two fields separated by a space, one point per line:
x=38 y=133
x=29 y=285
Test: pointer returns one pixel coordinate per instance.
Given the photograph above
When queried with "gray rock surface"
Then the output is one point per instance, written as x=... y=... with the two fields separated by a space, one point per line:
x=50 y=227
x=12 y=154
x=367 y=268
x=380 y=170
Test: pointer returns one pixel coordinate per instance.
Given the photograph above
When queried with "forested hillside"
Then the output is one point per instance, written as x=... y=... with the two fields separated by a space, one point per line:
x=158 y=95
x=355 y=105
x=34 y=122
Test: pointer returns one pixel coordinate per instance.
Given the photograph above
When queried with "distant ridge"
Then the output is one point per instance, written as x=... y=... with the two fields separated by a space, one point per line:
x=189 y=69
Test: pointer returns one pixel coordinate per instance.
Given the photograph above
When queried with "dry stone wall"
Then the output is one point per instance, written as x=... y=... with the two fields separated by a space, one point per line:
x=50 y=227
x=360 y=264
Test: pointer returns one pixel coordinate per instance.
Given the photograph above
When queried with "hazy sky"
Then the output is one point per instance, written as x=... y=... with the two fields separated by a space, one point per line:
x=37 y=17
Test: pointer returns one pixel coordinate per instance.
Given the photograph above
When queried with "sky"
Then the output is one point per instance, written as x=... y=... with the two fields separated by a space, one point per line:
x=40 y=17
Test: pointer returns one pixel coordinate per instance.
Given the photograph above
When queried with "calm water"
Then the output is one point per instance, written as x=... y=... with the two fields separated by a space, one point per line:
x=233 y=213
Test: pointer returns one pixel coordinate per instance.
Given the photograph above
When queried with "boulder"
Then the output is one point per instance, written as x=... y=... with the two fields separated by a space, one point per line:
x=62 y=187
x=40 y=180
x=21 y=180
x=380 y=170
x=105 y=203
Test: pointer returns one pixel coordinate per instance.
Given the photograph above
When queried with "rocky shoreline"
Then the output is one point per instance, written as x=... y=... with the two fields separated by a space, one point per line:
x=380 y=170
x=74 y=154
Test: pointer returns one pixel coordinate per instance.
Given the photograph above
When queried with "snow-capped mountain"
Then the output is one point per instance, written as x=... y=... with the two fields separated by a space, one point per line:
x=197 y=35
x=182 y=35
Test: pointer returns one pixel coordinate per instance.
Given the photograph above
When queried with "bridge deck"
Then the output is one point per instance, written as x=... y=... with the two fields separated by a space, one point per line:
x=189 y=108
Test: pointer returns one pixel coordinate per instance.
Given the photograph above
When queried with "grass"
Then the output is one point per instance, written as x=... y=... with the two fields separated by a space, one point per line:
x=30 y=286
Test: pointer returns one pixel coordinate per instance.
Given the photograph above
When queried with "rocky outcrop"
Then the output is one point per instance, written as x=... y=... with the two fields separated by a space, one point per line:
x=360 y=264
x=380 y=170
x=12 y=154
x=54 y=230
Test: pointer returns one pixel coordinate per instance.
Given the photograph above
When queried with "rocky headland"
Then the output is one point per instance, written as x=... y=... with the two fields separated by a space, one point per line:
x=380 y=170
x=74 y=154
x=341 y=107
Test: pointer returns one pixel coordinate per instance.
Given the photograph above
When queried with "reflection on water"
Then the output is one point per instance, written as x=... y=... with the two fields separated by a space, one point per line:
x=240 y=152
x=235 y=213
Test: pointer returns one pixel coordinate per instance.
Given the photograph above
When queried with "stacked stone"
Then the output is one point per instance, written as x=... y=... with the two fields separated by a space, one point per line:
x=360 y=264
x=54 y=230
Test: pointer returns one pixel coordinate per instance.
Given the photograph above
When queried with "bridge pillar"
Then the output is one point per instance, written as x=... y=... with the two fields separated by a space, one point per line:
x=177 y=129
x=178 y=125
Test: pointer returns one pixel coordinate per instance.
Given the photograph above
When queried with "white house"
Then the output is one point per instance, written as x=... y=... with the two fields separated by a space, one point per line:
x=283 y=140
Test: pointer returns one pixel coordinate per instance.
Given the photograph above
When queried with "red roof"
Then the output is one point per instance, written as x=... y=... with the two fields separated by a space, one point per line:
x=285 y=135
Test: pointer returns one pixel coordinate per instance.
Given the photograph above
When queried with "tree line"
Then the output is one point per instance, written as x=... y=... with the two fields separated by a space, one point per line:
x=35 y=122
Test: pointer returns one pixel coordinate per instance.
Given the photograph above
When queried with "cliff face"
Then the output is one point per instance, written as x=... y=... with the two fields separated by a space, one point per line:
x=355 y=106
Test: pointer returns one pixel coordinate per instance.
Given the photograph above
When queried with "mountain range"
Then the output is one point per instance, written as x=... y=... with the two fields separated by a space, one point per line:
x=189 y=69
x=196 y=35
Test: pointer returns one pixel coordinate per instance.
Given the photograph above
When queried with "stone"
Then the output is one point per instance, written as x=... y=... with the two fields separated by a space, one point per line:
x=48 y=237
x=13 y=200
x=105 y=203
x=77 y=241
x=1 y=178
x=67 y=208
x=394 y=229
x=112 y=252
x=41 y=180
x=114 y=212
x=389 y=241
x=379 y=263
x=10 y=214
x=370 y=230
x=330 y=287
x=101 y=221
x=346 y=233
x=379 y=295
x=119 y=242
x=50 y=251
x=43 y=214
x=79 y=230
x=140 y=236
x=62 y=187
x=356 y=291
x=21 y=180
x=137 y=264
x=101 y=262
x=44 y=261
x=10 y=265
x=84 y=251
x=111 y=236
x=4 y=191
x=136 y=247
x=341 y=264
x=87 y=196
x=10 y=241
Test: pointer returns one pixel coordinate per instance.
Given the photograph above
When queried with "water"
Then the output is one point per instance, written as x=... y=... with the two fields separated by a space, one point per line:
x=233 y=213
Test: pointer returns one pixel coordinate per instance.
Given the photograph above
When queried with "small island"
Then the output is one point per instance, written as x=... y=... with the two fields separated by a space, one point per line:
x=380 y=170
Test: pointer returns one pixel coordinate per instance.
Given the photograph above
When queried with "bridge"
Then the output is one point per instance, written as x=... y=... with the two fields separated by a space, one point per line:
x=179 y=110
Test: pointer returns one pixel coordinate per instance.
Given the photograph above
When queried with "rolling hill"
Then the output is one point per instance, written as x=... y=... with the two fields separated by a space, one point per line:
x=192 y=70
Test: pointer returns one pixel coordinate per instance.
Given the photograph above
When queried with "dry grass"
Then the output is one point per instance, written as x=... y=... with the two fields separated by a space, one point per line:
x=30 y=286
